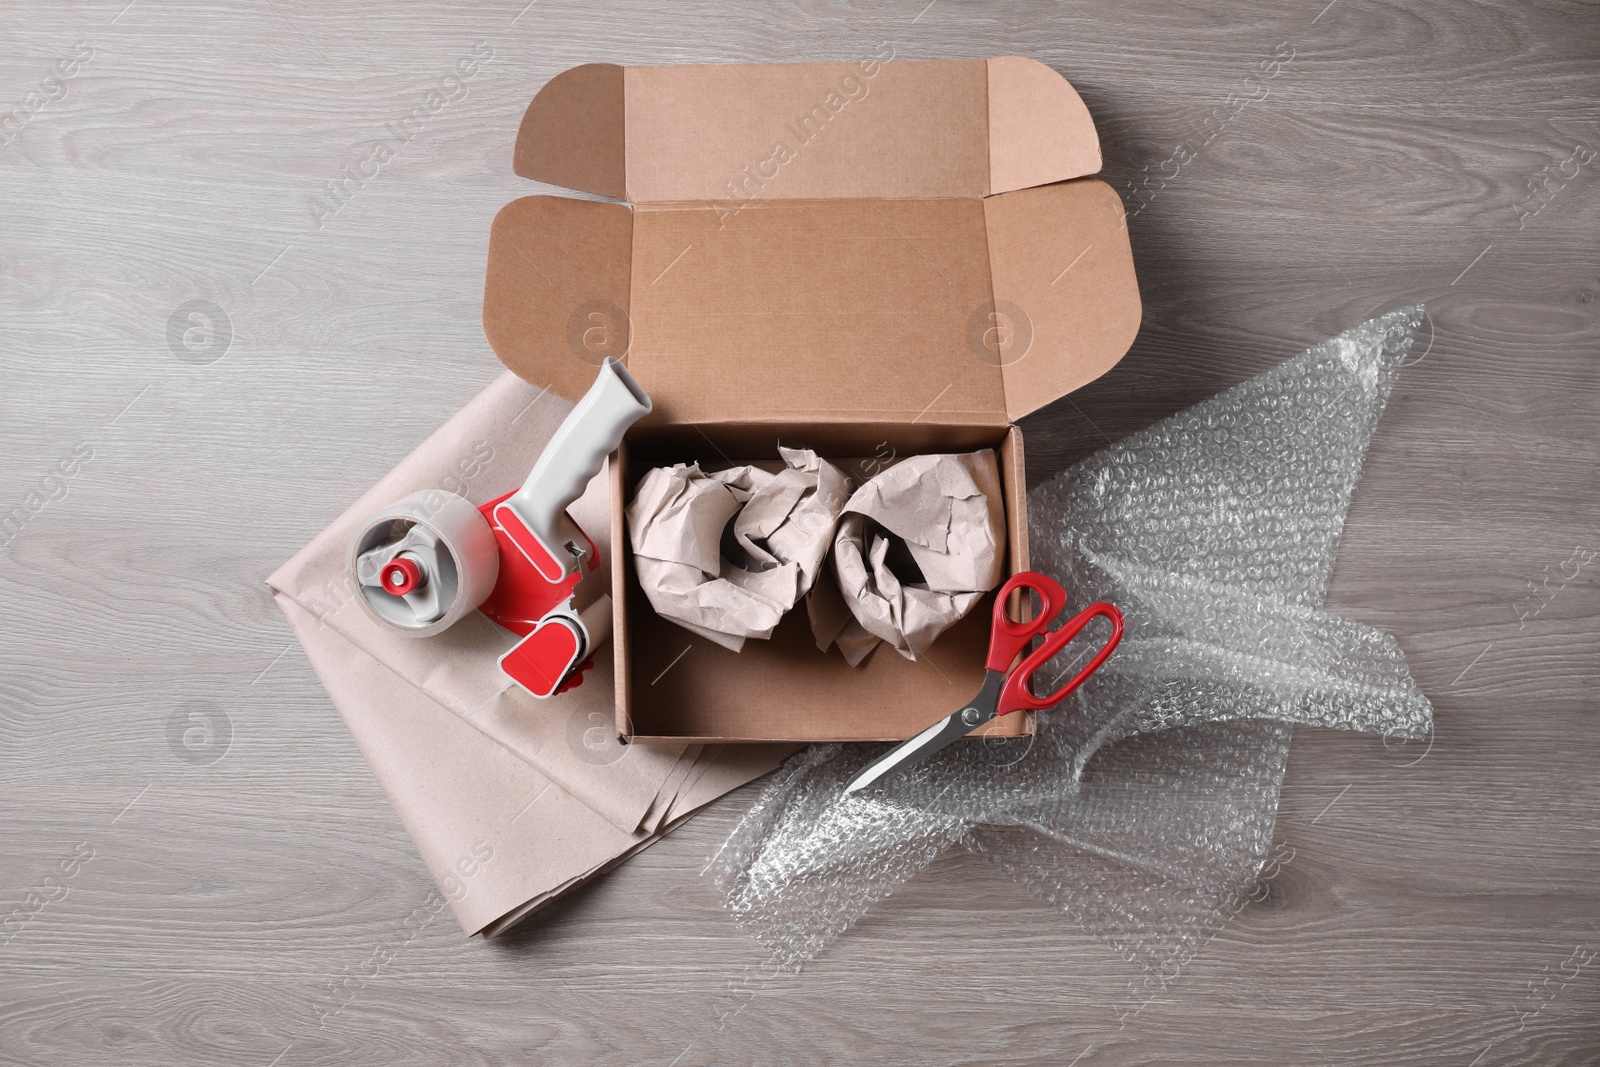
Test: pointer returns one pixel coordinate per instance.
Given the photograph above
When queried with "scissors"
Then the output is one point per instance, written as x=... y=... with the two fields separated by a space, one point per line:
x=1005 y=689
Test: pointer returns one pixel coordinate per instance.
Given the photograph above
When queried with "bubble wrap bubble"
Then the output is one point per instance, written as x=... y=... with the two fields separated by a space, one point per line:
x=1144 y=806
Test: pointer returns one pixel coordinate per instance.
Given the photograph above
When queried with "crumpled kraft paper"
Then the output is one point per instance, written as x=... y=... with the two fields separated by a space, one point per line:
x=472 y=764
x=783 y=524
x=947 y=513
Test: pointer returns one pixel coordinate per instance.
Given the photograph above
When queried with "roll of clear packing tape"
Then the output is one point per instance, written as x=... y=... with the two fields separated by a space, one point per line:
x=424 y=563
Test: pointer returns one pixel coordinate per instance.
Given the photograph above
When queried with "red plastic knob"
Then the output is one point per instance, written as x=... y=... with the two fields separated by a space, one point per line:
x=401 y=575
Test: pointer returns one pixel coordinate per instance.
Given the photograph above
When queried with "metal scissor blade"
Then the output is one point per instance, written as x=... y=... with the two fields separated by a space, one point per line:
x=944 y=732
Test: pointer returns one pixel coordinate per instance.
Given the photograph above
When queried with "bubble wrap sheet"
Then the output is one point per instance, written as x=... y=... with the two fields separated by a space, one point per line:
x=1144 y=806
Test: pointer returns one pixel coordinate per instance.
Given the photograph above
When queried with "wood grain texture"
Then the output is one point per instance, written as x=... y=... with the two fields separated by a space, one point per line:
x=1406 y=151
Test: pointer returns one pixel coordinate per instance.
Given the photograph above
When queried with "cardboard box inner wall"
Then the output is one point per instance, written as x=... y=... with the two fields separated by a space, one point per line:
x=912 y=263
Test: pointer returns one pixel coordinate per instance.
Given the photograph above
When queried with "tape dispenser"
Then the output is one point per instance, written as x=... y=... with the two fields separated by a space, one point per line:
x=433 y=557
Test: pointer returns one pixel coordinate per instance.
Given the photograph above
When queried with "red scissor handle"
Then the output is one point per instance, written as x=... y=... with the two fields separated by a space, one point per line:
x=1016 y=694
x=1007 y=639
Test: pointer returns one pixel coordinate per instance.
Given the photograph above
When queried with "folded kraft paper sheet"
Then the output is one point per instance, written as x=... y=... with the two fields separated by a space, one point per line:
x=511 y=801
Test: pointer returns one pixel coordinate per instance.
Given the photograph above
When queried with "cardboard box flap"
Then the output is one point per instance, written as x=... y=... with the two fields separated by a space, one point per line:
x=556 y=300
x=1066 y=302
x=1040 y=131
x=866 y=315
x=572 y=134
x=975 y=311
x=866 y=241
x=733 y=133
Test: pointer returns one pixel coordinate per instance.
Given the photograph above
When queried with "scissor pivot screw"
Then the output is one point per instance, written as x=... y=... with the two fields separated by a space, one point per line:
x=971 y=716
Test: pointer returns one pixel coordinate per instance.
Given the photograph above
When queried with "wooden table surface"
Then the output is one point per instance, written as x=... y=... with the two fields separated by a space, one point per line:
x=1440 y=906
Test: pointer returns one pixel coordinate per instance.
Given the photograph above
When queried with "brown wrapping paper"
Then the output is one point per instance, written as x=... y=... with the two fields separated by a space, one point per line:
x=473 y=766
x=916 y=548
x=783 y=524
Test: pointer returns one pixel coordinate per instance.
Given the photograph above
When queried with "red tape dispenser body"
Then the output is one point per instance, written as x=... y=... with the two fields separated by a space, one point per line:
x=433 y=558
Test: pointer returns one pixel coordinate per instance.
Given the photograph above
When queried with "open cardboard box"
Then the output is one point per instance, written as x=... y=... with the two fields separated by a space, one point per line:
x=873 y=260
